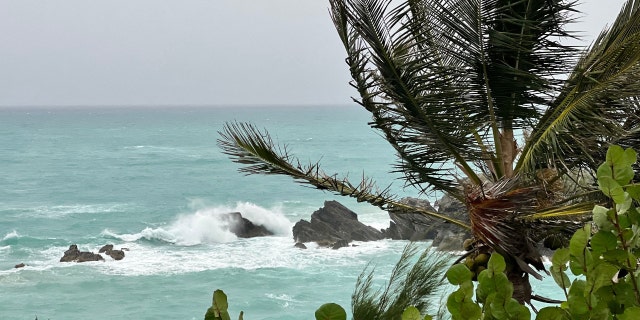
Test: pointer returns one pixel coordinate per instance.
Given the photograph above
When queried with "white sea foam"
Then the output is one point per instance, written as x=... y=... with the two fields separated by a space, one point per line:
x=209 y=225
x=11 y=235
x=248 y=254
x=61 y=211
x=150 y=234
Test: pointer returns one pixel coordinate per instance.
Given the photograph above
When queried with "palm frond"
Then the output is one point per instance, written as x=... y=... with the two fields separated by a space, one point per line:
x=406 y=96
x=247 y=145
x=407 y=286
x=598 y=105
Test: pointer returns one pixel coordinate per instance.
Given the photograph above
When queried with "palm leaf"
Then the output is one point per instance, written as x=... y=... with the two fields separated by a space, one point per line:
x=247 y=145
x=598 y=105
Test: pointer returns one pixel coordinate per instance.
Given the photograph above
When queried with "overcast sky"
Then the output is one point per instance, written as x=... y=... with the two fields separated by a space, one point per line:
x=189 y=52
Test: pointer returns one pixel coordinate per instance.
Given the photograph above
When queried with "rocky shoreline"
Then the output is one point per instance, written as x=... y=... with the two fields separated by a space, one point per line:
x=335 y=226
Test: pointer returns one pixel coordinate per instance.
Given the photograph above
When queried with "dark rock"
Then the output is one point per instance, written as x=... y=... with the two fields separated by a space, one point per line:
x=243 y=228
x=19 y=265
x=106 y=248
x=450 y=236
x=448 y=240
x=340 y=244
x=75 y=255
x=332 y=223
x=71 y=254
x=116 y=254
x=412 y=226
x=300 y=245
x=85 y=256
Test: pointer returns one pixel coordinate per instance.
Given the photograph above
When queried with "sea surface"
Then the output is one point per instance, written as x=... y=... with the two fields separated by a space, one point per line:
x=153 y=180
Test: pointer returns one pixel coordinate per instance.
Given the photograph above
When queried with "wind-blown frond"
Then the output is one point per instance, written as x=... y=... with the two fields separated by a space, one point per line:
x=405 y=95
x=407 y=286
x=598 y=105
x=442 y=78
x=247 y=145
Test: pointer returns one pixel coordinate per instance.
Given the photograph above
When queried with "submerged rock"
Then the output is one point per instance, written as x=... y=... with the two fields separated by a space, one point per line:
x=19 y=265
x=300 y=245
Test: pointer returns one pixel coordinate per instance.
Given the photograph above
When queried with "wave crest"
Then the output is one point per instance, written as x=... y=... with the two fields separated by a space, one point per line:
x=209 y=225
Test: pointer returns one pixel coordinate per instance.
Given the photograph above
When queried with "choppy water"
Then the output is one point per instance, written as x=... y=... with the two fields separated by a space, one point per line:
x=153 y=180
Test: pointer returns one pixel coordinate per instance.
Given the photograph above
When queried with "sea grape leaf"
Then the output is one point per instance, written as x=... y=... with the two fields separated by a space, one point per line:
x=625 y=205
x=632 y=313
x=552 y=313
x=611 y=188
x=411 y=313
x=331 y=311
x=220 y=305
x=601 y=218
x=576 y=300
x=603 y=241
x=600 y=276
x=461 y=305
x=634 y=191
x=559 y=266
x=496 y=263
x=517 y=311
x=458 y=274
x=578 y=250
x=616 y=256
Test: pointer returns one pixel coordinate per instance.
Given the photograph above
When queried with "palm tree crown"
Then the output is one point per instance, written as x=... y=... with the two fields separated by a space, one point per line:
x=481 y=101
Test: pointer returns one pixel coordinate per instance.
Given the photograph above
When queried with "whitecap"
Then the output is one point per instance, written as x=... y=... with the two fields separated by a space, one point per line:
x=61 y=211
x=151 y=234
x=11 y=235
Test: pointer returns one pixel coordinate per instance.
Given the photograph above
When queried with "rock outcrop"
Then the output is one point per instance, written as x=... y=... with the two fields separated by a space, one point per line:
x=113 y=253
x=75 y=255
x=116 y=254
x=243 y=228
x=450 y=237
x=334 y=223
x=419 y=227
x=412 y=226
x=106 y=248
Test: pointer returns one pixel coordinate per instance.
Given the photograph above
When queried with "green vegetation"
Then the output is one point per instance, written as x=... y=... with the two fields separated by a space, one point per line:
x=602 y=256
x=451 y=85
x=219 y=306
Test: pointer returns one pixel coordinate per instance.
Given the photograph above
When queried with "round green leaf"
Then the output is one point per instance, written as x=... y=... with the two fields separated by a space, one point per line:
x=552 y=313
x=411 y=313
x=632 y=313
x=603 y=241
x=331 y=311
x=458 y=274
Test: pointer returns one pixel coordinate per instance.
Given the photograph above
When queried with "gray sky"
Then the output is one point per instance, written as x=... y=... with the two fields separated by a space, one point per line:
x=195 y=52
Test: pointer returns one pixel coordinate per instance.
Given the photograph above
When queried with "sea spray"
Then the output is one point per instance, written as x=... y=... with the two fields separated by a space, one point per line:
x=209 y=225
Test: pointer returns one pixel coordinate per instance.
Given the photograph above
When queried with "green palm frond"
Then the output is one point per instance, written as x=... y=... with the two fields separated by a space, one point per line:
x=598 y=105
x=442 y=78
x=247 y=145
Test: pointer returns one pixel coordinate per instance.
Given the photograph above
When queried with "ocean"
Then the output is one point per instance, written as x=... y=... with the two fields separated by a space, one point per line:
x=152 y=180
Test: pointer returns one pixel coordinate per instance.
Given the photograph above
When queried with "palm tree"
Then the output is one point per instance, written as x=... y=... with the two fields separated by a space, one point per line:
x=481 y=101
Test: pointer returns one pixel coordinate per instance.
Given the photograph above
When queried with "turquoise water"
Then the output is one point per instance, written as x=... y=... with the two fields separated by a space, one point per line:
x=153 y=180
